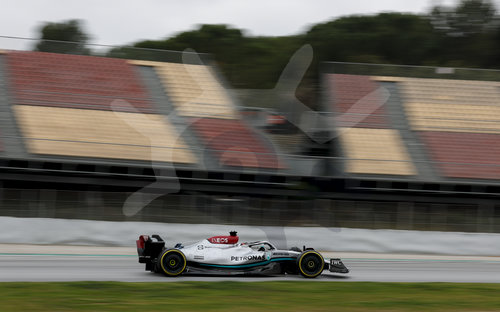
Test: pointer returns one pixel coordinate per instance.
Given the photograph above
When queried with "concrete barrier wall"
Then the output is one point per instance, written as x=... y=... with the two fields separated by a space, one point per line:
x=102 y=233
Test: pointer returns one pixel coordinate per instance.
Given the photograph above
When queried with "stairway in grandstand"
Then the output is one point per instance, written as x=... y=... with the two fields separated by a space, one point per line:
x=421 y=160
x=10 y=143
x=166 y=108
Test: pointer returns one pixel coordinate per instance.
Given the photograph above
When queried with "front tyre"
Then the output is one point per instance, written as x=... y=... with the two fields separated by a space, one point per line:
x=172 y=262
x=310 y=264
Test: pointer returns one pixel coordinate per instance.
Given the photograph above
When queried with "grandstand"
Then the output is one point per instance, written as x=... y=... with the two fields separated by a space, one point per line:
x=99 y=134
x=176 y=113
x=369 y=143
x=193 y=89
x=458 y=122
x=234 y=144
x=62 y=105
x=73 y=81
x=394 y=162
x=448 y=124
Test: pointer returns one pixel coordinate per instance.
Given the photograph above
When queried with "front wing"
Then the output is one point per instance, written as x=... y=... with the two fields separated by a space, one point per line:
x=336 y=266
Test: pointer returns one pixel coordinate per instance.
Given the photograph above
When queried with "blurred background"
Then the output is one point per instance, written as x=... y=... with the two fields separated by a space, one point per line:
x=373 y=121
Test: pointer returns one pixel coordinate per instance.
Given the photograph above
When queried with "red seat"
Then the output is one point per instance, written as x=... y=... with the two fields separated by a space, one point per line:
x=234 y=144
x=347 y=90
x=463 y=154
x=74 y=81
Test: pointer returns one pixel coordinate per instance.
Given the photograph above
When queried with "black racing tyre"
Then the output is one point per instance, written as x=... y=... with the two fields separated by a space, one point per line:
x=310 y=264
x=172 y=262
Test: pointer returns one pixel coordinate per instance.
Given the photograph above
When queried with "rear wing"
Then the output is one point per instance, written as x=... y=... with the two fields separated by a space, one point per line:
x=149 y=248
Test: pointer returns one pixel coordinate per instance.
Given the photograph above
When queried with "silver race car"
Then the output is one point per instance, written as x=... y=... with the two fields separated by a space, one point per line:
x=225 y=255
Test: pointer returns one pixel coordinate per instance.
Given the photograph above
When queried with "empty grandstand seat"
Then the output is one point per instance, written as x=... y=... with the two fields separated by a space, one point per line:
x=454 y=117
x=234 y=144
x=193 y=89
x=458 y=121
x=451 y=105
x=375 y=151
x=347 y=90
x=100 y=134
x=74 y=81
x=464 y=155
x=369 y=143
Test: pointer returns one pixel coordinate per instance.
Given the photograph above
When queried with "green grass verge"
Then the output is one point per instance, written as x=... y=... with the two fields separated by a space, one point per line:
x=248 y=296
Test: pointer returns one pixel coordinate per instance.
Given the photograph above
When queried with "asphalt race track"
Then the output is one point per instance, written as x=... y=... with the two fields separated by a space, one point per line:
x=44 y=267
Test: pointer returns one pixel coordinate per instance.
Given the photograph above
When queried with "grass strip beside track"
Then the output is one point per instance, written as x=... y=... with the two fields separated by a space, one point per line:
x=239 y=296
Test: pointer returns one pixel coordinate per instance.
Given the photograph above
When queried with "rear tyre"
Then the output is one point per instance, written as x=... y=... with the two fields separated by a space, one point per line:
x=172 y=262
x=310 y=264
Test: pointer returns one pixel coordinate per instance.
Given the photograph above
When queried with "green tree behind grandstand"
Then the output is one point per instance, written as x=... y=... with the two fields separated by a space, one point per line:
x=66 y=37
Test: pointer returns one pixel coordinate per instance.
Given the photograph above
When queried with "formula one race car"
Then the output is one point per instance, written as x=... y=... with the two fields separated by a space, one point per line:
x=224 y=255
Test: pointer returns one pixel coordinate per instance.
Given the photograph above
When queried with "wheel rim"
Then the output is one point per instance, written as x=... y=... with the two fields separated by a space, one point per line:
x=173 y=262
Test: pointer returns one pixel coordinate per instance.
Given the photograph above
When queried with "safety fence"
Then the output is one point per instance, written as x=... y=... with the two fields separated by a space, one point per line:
x=200 y=208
